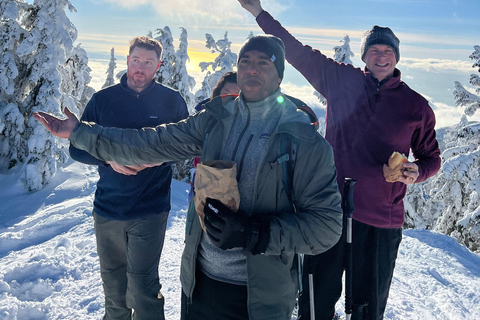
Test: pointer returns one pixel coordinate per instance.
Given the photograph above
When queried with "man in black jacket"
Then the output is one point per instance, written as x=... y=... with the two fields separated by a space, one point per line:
x=132 y=202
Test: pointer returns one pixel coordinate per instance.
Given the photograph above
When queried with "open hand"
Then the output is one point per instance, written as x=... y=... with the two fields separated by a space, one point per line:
x=252 y=6
x=58 y=127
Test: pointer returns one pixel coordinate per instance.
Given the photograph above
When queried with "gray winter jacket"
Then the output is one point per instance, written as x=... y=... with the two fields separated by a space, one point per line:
x=315 y=225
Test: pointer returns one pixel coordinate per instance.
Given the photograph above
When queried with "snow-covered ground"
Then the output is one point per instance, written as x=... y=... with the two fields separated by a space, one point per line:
x=49 y=267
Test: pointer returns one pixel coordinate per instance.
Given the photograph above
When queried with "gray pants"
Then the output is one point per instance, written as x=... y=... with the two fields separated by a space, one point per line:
x=129 y=253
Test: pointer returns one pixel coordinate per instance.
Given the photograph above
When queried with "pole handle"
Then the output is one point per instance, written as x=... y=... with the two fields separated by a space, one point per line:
x=347 y=199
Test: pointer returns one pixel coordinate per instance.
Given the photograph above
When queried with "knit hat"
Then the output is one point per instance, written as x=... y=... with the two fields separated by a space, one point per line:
x=380 y=35
x=272 y=46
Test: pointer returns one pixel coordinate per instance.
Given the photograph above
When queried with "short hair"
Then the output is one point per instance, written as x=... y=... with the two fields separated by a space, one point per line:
x=229 y=77
x=146 y=43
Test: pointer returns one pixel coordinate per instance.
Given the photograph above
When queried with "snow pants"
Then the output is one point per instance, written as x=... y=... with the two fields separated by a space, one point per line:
x=129 y=253
x=215 y=300
x=374 y=254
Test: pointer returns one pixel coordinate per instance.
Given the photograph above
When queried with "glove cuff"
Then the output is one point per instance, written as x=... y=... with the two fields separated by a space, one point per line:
x=259 y=236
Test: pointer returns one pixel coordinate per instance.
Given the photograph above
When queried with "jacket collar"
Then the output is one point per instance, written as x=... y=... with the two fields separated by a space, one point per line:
x=390 y=83
x=293 y=120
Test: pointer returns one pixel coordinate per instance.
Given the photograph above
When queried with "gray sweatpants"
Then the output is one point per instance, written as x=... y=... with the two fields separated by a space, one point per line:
x=129 y=253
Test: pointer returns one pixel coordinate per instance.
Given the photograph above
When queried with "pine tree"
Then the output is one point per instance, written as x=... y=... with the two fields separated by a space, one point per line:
x=13 y=148
x=181 y=80
x=225 y=61
x=110 y=81
x=49 y=72
x=173 y=70
x=449 y=202
x=464 y=98
x=342 y=54
x=75 y=74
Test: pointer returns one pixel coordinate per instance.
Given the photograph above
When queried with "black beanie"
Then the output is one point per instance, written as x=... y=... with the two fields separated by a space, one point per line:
x=380 y=35
x=272 y=46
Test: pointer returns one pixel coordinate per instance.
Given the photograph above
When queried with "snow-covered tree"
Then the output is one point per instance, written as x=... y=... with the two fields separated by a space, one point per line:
x=225 y=61
x=341 y=54
x=165 y=73
x=449 y=202
x=173 y=70
x=12 y=71
x=112 y=65
x=49 y=72
x=464 y=98
x=75 y=74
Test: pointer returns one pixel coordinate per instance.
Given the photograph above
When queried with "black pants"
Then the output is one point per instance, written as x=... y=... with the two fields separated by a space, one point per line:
x=374 y=254
x=215 y=300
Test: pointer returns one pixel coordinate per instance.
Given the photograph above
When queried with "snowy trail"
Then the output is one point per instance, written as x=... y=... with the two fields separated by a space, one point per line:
x=49 y=267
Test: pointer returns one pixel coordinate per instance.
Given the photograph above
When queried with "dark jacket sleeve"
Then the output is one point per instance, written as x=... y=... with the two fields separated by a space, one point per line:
x=425 y=146
x=89 y=115
x=311 y=63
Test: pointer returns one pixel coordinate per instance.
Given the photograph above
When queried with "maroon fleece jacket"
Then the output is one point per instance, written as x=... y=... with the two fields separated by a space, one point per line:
x=366 y=121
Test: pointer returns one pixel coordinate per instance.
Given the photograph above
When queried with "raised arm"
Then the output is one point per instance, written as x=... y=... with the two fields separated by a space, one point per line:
x=252 y=6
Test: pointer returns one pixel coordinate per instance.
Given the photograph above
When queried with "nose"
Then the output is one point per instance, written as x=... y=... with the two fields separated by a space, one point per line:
x=252 y=68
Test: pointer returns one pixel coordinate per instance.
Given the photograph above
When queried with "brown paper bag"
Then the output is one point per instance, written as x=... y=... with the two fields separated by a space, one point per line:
x=217 y=180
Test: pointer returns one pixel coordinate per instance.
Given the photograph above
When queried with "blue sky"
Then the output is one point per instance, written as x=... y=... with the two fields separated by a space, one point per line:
x=436 y=37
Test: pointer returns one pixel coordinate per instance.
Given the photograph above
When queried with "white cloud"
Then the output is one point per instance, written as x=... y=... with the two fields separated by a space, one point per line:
x=435 y=65
x=447 y=115
x=203 y=11
x=98 y=73
x=304 y=93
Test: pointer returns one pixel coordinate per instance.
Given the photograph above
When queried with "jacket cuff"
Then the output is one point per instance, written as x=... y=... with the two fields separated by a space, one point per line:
x=260 y=236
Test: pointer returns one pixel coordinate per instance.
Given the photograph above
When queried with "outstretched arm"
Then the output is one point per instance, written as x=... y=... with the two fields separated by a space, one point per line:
x=252 y=6
x=58 y=127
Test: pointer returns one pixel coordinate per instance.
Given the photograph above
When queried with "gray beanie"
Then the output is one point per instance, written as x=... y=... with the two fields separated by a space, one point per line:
x=380 y=35
x=272 y=46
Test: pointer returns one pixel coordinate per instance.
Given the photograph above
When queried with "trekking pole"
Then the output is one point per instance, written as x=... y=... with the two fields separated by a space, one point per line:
x=310 y=294
x=347 y=206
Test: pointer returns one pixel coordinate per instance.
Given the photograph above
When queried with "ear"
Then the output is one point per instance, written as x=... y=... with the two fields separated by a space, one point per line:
x=128 y=59
x=158 y=64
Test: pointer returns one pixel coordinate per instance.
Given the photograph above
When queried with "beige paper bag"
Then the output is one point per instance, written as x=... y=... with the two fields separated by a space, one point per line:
x=217 y=180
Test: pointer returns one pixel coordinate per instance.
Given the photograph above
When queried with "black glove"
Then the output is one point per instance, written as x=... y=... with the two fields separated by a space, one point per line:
x=228 y=229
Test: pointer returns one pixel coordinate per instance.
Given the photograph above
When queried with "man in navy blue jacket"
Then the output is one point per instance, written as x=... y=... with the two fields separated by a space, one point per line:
x=132 y=202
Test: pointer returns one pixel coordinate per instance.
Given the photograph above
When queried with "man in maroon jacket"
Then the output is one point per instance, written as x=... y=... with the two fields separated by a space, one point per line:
x=370 y=114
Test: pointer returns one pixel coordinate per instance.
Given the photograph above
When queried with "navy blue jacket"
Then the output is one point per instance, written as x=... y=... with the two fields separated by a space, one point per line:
x=121 y=197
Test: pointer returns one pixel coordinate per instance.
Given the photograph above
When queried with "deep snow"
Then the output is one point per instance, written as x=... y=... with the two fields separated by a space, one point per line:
x=49 y=267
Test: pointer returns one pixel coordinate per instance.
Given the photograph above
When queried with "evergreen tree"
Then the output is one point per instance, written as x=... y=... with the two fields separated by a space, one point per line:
x=342 y=54
x=223 y=63
x=49 y=72
x=75 y=74
x=110 y=81
x=449 y=202
x=13 y=148
x=173 y=70
x=464 y=98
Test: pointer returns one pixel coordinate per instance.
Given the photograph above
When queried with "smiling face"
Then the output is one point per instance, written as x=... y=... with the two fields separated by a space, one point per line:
x=257 y=76
x=381 y=61
x=141 y=67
